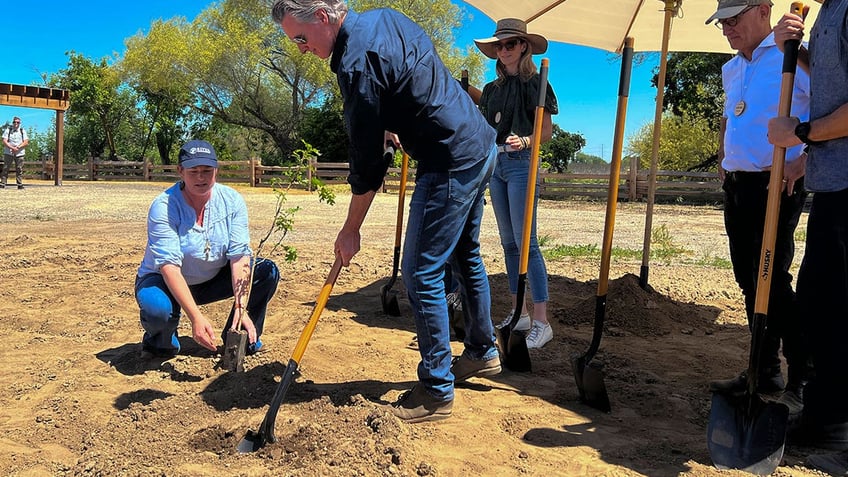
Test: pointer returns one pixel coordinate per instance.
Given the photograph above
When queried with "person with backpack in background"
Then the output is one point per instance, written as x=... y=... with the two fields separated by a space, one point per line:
x=15 y=139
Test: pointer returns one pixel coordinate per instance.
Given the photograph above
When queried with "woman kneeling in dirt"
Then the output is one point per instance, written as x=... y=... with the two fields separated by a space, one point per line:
x=198 y=252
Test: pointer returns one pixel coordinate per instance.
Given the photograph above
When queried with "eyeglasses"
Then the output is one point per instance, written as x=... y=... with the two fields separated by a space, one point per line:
x=300 y=40
x=732 y=21
x=16 y=122
x=507 y=45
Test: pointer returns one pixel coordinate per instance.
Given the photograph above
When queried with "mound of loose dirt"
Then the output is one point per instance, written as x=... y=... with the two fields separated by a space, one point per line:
x=630 y=309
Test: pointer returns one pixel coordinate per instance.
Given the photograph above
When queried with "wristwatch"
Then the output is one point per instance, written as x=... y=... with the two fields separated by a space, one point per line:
x=802 y=130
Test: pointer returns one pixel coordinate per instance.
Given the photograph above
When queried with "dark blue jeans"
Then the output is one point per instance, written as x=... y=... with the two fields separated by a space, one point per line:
x=160 y=312
x=445 y=213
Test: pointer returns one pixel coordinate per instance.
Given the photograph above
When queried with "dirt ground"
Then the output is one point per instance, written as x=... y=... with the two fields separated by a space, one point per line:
x=75 y=400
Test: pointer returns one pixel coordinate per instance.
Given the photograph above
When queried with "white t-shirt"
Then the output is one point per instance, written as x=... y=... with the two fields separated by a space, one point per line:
x=15 y=137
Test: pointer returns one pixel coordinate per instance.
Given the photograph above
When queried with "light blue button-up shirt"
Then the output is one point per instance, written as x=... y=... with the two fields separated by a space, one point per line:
x=756 y=84
x=174 y=236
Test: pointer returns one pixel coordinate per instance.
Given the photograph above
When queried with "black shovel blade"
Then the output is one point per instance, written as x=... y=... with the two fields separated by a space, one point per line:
x=589 y=377
x=746 y=433
x=517 y=354
x=389 y=299
x=388 y=296
x=255 y=440
x=234 y=348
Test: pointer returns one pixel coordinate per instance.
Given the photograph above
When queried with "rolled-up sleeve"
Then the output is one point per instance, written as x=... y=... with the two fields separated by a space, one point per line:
x=239 y=239
x=163 y=234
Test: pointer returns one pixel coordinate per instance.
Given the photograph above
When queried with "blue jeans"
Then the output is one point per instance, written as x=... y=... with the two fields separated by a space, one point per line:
x=445 y=213
x=160 y=312
x=508 y=190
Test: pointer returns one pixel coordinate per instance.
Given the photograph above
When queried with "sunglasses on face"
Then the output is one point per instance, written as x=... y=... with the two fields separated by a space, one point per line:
x=16 y=122
x=732 y=21
x=507 y=45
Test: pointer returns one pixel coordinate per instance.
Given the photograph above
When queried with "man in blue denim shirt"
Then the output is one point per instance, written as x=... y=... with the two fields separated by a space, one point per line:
x=391 y=78
x=198 y=252
x=823 y=277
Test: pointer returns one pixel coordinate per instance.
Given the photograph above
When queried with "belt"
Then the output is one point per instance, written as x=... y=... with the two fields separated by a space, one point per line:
x=506 y=148
x=749 y=176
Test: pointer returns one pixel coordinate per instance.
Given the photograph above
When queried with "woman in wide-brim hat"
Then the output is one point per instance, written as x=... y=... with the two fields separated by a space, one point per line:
x=509 y=105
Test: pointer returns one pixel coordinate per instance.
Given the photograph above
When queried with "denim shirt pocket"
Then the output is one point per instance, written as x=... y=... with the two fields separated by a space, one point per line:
x=827 y=34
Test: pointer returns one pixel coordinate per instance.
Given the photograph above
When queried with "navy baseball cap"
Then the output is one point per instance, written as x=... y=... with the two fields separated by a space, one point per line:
x=197 y=153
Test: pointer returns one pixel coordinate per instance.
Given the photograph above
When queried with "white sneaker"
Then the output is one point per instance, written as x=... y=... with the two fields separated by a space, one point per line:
x=539 y=335
x=522 y=325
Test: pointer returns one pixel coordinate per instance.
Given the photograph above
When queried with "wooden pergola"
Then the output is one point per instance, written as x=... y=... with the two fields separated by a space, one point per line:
x=42 y=98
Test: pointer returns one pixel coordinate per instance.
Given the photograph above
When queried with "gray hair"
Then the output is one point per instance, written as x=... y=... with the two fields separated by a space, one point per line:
x=304 y=10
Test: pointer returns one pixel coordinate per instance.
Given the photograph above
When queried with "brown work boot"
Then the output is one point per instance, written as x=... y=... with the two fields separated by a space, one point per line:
x=464 y=367
x=770 y=383
x=417 y=405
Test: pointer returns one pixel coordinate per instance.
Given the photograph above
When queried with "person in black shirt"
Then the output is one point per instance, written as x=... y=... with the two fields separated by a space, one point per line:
x=509 y=105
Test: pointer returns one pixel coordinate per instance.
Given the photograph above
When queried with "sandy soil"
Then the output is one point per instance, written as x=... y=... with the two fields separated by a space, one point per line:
x=76 y=400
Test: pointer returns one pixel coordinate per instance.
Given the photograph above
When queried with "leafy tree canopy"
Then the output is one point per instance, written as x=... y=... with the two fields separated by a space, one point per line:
x=562 y=148
x=685 y=141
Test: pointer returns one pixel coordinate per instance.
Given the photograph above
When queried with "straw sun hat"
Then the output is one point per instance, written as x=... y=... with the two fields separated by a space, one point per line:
x=511 y=28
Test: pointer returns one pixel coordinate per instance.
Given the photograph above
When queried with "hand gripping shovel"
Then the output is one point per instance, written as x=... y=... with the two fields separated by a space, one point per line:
x=516 y=355
x=253 y=441
x=589 y=376
x=747 y=432
x=388 y=296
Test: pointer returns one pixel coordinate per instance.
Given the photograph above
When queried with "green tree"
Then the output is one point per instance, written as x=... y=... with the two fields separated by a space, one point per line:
x=561 y=149
x=685 y=142
x=99 y=103
x=324 y=128
x=164 y=89
x=693 y=85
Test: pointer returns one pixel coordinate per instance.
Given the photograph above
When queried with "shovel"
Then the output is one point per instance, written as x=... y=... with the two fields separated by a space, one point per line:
x=747 y=432
x=516 y=355
x=235 y=344
x=589 y=376
x=254 y=440
x=389 y=297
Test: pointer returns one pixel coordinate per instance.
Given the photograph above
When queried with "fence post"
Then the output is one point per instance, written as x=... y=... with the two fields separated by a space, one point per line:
x=253 y=162
x=312 y=165
x=634 y=169
x=145 y=169
x=90 y=168
x=43 y=174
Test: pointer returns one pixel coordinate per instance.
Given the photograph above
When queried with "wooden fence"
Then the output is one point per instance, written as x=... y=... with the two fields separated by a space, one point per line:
x=632 y=186
x=670 y=185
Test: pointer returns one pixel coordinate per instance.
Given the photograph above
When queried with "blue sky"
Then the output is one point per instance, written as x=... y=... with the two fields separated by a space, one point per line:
x=585 y=80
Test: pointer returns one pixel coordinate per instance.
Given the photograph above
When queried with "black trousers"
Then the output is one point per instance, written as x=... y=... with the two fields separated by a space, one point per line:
x=823 y=297
x=746 y=197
